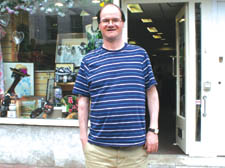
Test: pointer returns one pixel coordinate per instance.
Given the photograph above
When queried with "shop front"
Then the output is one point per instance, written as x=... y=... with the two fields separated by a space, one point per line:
x=184 y=44
x=40 y=53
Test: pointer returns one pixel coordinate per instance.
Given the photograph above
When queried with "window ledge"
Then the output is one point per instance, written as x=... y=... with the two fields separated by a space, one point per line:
x=40 y=122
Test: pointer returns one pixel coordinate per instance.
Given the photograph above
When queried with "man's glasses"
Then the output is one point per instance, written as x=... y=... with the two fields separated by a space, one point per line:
x=113 y=21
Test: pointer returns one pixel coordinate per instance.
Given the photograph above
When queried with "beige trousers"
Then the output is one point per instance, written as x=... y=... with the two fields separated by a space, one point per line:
x=108 y=157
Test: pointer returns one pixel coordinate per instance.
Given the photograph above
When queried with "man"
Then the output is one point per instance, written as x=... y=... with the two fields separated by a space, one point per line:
x=116 y=78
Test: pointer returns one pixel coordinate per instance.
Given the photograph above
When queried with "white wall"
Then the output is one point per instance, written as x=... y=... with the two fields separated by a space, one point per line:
x=41 y=146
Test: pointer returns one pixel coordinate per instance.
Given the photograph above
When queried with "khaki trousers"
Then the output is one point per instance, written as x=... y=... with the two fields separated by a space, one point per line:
x=108 y=157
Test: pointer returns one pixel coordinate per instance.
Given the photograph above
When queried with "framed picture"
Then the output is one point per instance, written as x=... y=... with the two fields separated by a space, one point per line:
x=26 y=105
x=25 y=87
x=70 y=48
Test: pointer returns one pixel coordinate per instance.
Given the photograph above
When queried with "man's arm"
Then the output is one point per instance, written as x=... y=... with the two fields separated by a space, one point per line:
x=83 y=108
x=152 y=141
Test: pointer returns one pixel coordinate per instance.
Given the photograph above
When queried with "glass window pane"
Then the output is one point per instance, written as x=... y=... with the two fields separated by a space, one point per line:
x=198 y=70
x=45 y=41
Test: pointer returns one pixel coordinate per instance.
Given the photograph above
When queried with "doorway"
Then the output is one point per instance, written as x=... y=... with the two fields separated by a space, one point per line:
x=158 y=37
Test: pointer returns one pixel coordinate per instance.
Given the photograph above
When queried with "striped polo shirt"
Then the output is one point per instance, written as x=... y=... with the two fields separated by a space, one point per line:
x=116 y=82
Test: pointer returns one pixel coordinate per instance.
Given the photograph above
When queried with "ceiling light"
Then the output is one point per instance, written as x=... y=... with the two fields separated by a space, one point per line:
x=154 y=55
x=95 y=1
x=163 y=39
x=165 y=43
x=160 y=33
x=156 y=36
x=134 y=8
x=59 y=4
x=152 y=29
x=146 y=20
x=166 y=49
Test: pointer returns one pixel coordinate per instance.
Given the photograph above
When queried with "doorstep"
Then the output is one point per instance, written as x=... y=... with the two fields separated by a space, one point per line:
x=184 y=161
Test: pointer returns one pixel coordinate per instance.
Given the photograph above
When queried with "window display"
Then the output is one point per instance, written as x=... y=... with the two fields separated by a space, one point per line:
x=42 y=44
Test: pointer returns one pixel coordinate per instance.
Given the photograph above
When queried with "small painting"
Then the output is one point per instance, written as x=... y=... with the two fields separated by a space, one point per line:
x=19 y=78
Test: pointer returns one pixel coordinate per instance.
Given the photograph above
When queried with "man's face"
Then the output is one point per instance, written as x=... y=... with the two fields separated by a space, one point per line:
x=111 y=24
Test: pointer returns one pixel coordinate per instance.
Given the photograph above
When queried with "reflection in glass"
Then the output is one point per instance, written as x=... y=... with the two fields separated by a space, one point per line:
x=42 y=29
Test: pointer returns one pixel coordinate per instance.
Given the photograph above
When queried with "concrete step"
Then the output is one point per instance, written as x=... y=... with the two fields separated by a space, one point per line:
x=184 y=161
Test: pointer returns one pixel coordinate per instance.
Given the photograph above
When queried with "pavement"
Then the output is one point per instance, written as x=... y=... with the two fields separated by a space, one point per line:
x=21 y=166
x=160 y=161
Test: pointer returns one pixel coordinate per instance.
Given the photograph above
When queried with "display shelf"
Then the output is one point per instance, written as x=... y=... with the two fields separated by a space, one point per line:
x=66 y=86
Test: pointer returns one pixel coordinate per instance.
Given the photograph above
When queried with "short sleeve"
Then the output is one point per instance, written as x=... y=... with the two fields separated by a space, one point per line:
x=81 y=84
x=148 y=72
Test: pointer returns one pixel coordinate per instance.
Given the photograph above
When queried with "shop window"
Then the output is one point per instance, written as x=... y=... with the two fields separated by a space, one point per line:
x=42 y=50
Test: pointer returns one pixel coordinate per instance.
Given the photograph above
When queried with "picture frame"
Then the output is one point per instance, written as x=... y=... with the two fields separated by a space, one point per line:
x=25 y=105
x=70 y=48
x=25 y=87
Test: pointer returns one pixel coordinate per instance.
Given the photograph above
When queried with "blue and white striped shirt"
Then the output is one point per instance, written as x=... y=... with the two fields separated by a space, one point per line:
x=116 y=82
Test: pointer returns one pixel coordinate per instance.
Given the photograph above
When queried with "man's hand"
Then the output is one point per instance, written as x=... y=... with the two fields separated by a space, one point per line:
x=152 y=142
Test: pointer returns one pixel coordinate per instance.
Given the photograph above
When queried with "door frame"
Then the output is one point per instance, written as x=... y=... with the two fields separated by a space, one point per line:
x=192 y=147
x=180 y=120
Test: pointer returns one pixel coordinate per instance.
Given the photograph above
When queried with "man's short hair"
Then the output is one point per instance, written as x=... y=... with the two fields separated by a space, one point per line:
x=99 y=13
